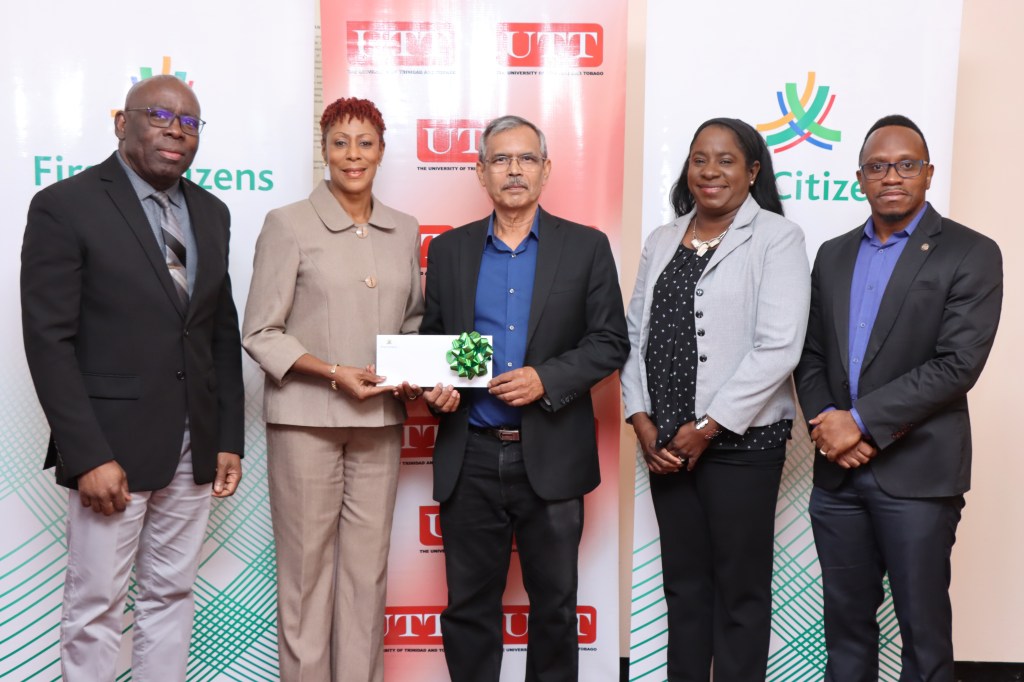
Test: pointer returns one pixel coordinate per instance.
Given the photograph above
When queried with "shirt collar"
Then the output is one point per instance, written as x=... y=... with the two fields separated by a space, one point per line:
x=871 y=236
x=143 y=189
x=534 y=228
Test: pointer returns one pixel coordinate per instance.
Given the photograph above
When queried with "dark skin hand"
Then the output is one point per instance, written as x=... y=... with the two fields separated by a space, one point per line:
x=689 y=444
x=859 y=455
x=835 y=431
x=104 y=489
x=443 y=398
x=659 y=460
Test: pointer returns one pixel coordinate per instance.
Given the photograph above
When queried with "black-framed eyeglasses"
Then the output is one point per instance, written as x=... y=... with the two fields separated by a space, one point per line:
x=527 y=162
x=905 y=168
x=162 y=118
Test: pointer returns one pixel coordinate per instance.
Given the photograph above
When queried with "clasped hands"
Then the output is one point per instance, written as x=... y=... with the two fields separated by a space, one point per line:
x=517 y=388
x=684 y=450
x=839 y=439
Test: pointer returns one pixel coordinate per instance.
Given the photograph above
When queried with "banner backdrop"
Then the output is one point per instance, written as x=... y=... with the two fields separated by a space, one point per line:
x=812 y=83
x=439 y=71
x=64 y=68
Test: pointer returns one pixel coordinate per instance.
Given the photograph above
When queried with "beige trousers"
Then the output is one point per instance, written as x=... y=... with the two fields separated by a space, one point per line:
x=332 y=499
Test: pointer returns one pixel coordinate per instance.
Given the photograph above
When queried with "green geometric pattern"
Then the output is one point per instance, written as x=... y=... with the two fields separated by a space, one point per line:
x=797 y=650
x=235 y=632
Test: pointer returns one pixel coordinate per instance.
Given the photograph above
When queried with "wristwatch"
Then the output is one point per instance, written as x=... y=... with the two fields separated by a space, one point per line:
x=702 y=423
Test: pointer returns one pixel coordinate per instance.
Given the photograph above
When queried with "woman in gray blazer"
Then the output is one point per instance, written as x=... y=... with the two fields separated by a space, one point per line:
x=716 y=326
x=330 y=273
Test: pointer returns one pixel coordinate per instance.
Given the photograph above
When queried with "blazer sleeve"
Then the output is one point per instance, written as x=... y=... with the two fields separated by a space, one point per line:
x=780 y=322
x=604 y=345
x=275 y=272
x=632 y=379
x=962 y=346
x=52 y=267
x=227 y=359
x=811 y=373
x=433 y=317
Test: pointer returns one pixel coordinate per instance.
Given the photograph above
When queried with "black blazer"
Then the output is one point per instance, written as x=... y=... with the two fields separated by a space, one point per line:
x=576 y=337
x=117 y=361
x=930 y=341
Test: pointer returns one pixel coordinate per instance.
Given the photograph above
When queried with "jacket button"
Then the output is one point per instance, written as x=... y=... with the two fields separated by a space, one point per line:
x=699 y=314
x=700 y=332
x=180 y=375
x=699 y=292
x=186 y=333
x=370 y=281
x=846 y=384
x=703 y=358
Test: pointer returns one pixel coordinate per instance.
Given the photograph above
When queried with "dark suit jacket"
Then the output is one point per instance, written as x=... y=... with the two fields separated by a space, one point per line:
x=576 y=337
x=931 y=338
x=116 y=360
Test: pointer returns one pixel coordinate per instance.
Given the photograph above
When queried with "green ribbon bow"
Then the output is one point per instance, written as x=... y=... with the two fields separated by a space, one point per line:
x=469 y=355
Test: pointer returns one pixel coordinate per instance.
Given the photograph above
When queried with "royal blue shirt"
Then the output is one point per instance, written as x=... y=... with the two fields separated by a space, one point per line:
x=503 y=292
x=875 y=264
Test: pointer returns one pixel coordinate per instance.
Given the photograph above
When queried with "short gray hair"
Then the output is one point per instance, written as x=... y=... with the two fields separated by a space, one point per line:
x=503 y=123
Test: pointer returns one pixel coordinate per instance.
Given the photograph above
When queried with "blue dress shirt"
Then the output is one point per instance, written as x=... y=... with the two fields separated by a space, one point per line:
x=875 y=264
x=503 y=293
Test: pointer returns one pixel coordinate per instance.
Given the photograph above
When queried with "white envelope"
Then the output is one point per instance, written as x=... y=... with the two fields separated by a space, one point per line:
x=420 y=360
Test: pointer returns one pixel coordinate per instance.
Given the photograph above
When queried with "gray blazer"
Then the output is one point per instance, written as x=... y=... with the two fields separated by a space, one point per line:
x=753 y=296
x=319 y=288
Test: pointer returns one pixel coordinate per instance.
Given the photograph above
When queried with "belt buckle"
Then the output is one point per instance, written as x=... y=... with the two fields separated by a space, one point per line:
x=508 y=435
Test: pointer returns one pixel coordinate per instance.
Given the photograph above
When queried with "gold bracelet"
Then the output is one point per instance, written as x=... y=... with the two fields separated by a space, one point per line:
x=334 y=383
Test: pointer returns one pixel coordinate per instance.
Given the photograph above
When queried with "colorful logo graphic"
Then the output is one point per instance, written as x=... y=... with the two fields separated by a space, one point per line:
x=147 y=72
x=801 y=121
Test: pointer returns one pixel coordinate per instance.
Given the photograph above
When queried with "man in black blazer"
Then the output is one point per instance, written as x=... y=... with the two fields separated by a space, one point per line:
x=904 y=311
x=132 y=340
x=517 y=458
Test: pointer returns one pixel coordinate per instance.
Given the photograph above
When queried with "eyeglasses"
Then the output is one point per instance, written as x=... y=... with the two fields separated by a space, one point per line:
x=527 y=162
x=161 y=118
x=905 y=169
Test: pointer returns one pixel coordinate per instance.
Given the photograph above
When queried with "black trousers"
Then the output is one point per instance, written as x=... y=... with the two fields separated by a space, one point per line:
x=717 y=526
x=861 y=533
x=493 y=501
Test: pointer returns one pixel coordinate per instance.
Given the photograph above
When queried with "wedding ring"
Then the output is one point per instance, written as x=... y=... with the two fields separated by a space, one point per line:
x=823 y=452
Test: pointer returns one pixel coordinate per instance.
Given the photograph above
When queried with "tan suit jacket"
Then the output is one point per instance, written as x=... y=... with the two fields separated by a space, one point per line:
x=320 y=288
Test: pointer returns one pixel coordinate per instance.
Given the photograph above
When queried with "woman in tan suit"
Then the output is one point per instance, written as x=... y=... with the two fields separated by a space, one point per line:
x=330 y=273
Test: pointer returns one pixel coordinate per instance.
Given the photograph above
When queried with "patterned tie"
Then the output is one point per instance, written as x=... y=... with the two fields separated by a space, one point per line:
x=174 y=245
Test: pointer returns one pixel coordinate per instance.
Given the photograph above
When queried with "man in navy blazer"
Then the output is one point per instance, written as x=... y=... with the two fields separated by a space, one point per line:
x=136 y=361
x=517 y=458
x=904 y=311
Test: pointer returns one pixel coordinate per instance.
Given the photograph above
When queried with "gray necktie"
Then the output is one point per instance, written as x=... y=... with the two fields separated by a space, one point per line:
x=174 y=245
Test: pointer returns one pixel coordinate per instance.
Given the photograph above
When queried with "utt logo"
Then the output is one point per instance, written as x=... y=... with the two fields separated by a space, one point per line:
x=449 y=141
x=430 y=526
x=418 y=435
x=400 y=43
x=802 y=121
x=414 y=626
x=532 y=45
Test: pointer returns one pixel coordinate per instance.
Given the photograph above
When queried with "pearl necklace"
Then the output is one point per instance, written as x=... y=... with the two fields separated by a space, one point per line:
x=703 y=246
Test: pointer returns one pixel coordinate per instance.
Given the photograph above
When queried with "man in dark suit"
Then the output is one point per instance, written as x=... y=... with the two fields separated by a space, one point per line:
x=517 y=458
x=132 y=340
x=904 y=310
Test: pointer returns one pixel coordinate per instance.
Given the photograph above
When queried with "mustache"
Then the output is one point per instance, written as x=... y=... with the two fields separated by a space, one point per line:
x=515 y=181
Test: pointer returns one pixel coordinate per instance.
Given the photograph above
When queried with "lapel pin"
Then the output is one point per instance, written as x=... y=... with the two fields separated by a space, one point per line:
x=924 y=247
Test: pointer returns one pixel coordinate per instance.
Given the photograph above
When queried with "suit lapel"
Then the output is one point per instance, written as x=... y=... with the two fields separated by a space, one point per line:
x=471 y=251
x=842 y=274
x=920 y=245
x=123 y=195
x=739 y=232
x=549 y=253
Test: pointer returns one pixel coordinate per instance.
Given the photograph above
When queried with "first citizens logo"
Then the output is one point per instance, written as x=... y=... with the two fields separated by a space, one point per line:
x=803 y=121
x=53 y=168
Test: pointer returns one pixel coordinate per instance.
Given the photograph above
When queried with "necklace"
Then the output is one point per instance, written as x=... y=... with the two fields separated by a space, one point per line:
x=703 y=246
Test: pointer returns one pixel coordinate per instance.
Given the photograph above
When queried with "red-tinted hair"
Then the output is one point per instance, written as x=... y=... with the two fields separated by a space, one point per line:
x=351 y=107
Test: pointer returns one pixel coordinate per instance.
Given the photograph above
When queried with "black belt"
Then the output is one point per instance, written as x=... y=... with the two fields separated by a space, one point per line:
x=500 y=432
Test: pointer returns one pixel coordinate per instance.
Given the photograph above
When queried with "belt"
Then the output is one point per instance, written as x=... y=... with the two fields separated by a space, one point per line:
x=501 y=433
